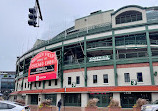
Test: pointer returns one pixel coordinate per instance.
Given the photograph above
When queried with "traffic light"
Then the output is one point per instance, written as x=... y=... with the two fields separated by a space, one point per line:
x=32 y=17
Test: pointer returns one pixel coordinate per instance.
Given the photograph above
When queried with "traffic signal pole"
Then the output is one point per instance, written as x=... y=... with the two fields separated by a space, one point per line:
x=33 y=15
x=39 y=9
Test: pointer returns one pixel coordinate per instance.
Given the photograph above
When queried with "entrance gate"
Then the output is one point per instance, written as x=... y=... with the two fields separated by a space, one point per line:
x=129 y=99
x=34 y=99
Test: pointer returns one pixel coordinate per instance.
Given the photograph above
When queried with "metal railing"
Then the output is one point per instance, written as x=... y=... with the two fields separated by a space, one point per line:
x=131 y=42
x=132 y=55
x=154 y=42
x=99 y=44
x=74 y=61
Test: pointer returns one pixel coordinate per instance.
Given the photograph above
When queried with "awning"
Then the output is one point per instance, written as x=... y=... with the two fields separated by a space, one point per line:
x=92 y=90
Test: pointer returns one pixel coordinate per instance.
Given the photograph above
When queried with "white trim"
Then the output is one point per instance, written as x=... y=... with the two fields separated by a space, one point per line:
x=130 y=30
x=74 y=40
x=39 y=50
x=29 y=54
x=99 y=35
x=153 y=27
x=54 y=45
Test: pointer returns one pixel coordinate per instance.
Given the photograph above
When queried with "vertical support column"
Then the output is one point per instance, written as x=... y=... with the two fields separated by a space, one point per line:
x=27 y=100
x=58 y=98
x=40 y=98
x=84 y=99
x=117 y=97
x=85 y=60
x=24 y=66
x=62 y=63
x=150 y=56
x=22 y=84
x=154 y=96
x=114 y=58
x=43 y=84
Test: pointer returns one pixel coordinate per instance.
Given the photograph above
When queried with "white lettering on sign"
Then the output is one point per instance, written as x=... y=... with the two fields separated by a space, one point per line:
x=99 y=58
x=42 y=77
x=37 y=78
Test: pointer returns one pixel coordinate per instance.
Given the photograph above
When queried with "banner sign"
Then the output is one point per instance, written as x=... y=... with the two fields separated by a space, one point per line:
x=43 y=66
x=99 y=58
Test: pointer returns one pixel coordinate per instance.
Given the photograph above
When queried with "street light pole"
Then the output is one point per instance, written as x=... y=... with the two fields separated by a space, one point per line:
x=64 y=97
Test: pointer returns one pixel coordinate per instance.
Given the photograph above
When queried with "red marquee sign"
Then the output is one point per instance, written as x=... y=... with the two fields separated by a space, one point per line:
x=43 y=66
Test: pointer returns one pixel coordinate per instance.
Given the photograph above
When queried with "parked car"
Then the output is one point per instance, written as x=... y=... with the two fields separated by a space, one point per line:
x=12 y=106
x=150 y=107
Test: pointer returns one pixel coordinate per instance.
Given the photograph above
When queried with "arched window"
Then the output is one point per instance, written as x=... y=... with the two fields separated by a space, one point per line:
x=128 y=16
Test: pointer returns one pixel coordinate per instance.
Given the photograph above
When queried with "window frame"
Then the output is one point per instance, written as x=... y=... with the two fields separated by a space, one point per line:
x=95 y=79
x=49 y=82
x=127 y=80
x=138 y=77
x=128 y=16
x=35 y=84
x=77 y=79
x=56 y=82
x=104 y=79
x=69 y=80
x=39 y=84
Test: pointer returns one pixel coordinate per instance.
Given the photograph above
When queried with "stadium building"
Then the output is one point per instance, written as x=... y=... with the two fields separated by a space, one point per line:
x=105 y=54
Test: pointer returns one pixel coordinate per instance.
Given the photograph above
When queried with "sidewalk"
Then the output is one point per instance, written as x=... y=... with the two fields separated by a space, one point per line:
x=54 y=108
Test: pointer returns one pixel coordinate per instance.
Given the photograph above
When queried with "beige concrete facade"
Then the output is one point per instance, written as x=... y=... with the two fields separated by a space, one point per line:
x=100 y=74
x=133 y=75
x=94 y=19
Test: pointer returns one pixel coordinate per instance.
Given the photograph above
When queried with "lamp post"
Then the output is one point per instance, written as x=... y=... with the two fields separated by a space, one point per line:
x=64 y=97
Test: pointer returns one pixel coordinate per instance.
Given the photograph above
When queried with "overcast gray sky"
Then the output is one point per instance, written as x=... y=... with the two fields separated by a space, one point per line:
x=17 y=36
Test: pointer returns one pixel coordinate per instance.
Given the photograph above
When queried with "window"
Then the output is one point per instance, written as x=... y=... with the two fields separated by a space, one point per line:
x=56 y=81
x=69 y=80
x=126 y=77
x=39 y=84
x=139 y=77
x=105 y=78
x=25 y=84
x=78 y=80
x=35 y=84
x=6 y=106
x=49 y=83
x=31 y=85
x=94 y=78
x=128 y=16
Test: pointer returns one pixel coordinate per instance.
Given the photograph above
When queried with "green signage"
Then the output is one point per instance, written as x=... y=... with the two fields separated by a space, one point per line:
x=73 y=84
x=99 y=58
x=133 y=82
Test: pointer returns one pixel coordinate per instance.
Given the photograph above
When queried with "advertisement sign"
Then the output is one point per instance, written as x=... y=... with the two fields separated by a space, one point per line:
x=99 y=58
x=43 y=66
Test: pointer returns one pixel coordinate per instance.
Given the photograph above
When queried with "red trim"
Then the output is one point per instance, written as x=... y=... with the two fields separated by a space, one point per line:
x=94 y=89
x=133 y=65
x=99 y=68
x=73 y=70
x=15 y=93
x=155 y=63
